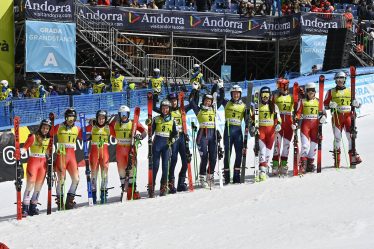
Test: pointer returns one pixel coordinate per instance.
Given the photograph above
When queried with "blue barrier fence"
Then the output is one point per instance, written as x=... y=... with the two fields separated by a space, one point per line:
x=32 y=111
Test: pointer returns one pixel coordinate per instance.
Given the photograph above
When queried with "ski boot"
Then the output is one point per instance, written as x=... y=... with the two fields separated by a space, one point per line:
x=354 y=159
x=275 y=168
x=151 y=191
x=284 y=168
x=94 y=196
x=25 y=210
x=60 y=202
x=226 y=176
x=182 y=186
x=70 y=203
x=171 y=185
x=236 y=177
x=131 y=195
x=336 y=156
x=203 y=182
x=33 y=210
x=163 y=189
x=303 y=165
x=263 y=175
x=310 y=167
x=103 y=196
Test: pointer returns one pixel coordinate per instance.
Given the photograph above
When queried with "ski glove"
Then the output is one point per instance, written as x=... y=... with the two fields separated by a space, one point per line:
x=333 y=105
x=295 y=126
x=220 y=84
x=278 y=127
x=23 y=152
x=252 y=131
x=138 y=137
x=356 y=104
x=322 y=119
x=195 y=85
x=171 y=140
x=148 y=121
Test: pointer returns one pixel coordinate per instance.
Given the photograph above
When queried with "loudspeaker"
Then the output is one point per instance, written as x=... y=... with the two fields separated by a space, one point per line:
x=338 y=47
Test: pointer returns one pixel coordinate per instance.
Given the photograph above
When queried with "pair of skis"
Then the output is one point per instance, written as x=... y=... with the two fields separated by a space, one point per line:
x=186 y=140
x=132 y=161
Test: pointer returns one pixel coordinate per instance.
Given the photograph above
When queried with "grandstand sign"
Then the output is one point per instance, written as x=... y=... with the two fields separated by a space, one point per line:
x=55 y=10
x=163 y=21
x=50 y=47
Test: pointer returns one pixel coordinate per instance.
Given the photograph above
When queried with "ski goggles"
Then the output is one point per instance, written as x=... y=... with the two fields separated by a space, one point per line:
x=265 y=95
x=124 y=114
x=70 y=118
x=311 y=90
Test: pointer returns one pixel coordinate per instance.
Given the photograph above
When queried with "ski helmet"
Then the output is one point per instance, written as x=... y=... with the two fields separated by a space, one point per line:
x=123 y=111
x=98 y=78
x=165 y=102
x=236 y=88
x=265 y=90
x=101 y=113
x=70 y=112
x=310 y=85
x=282 y=84
x=208 y=96
x=44 y=122
x=5 y=83
x=36 y=81
x=196 y=67
x=156 y=71
x=340 y=76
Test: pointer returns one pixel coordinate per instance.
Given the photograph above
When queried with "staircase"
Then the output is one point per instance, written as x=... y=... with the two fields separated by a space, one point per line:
x=117 y=50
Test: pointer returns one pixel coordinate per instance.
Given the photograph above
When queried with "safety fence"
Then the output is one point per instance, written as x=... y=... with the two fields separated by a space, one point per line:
x=32 y=111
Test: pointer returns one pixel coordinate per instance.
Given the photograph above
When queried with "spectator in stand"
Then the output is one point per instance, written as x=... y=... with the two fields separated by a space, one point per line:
x=287 y=8
x=268 y=4
x=37 y=90
x=327 y=8
x=370 y=13
x=276 y=6
x=88 y=88
x=99 y=86
x=202 y=5
x=126 y=3
x=52 y=91
x=25 y=93
x=261 y=11
x=152 y=5
x=362 y=11
x=348 y=18
x=371 y=40
x=70 y=90
x=79 y=86
x=103 y=2
x=246 y=8
x=135 y=4
x=16 y=94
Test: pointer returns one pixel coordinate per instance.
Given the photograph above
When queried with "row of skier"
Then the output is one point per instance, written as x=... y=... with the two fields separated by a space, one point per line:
x=270 y=118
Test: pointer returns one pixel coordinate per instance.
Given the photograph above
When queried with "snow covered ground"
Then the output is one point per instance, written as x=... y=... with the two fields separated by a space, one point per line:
x=333 y=209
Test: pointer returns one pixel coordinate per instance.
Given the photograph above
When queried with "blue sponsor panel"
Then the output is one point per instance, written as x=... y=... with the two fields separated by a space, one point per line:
x=50 y=47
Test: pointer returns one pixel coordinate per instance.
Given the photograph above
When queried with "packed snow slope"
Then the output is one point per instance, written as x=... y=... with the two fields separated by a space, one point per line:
x=333 y=209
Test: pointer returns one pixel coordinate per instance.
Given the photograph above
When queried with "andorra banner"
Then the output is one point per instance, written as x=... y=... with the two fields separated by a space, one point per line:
x=51 y=10
x=50 y=47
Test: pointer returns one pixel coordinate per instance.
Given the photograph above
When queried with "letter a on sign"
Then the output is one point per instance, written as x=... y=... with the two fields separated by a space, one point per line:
x=50 y=60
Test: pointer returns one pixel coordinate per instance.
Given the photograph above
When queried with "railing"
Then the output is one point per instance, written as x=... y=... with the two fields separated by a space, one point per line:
x=363 y=45
x=105 y=38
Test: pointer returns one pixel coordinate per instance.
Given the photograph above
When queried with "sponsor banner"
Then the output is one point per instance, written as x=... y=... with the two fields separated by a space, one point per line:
x=50 y=47
x=313 y=23
x=58 y=10
x=312 y=52
x=7 y=41
x=192 y=22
